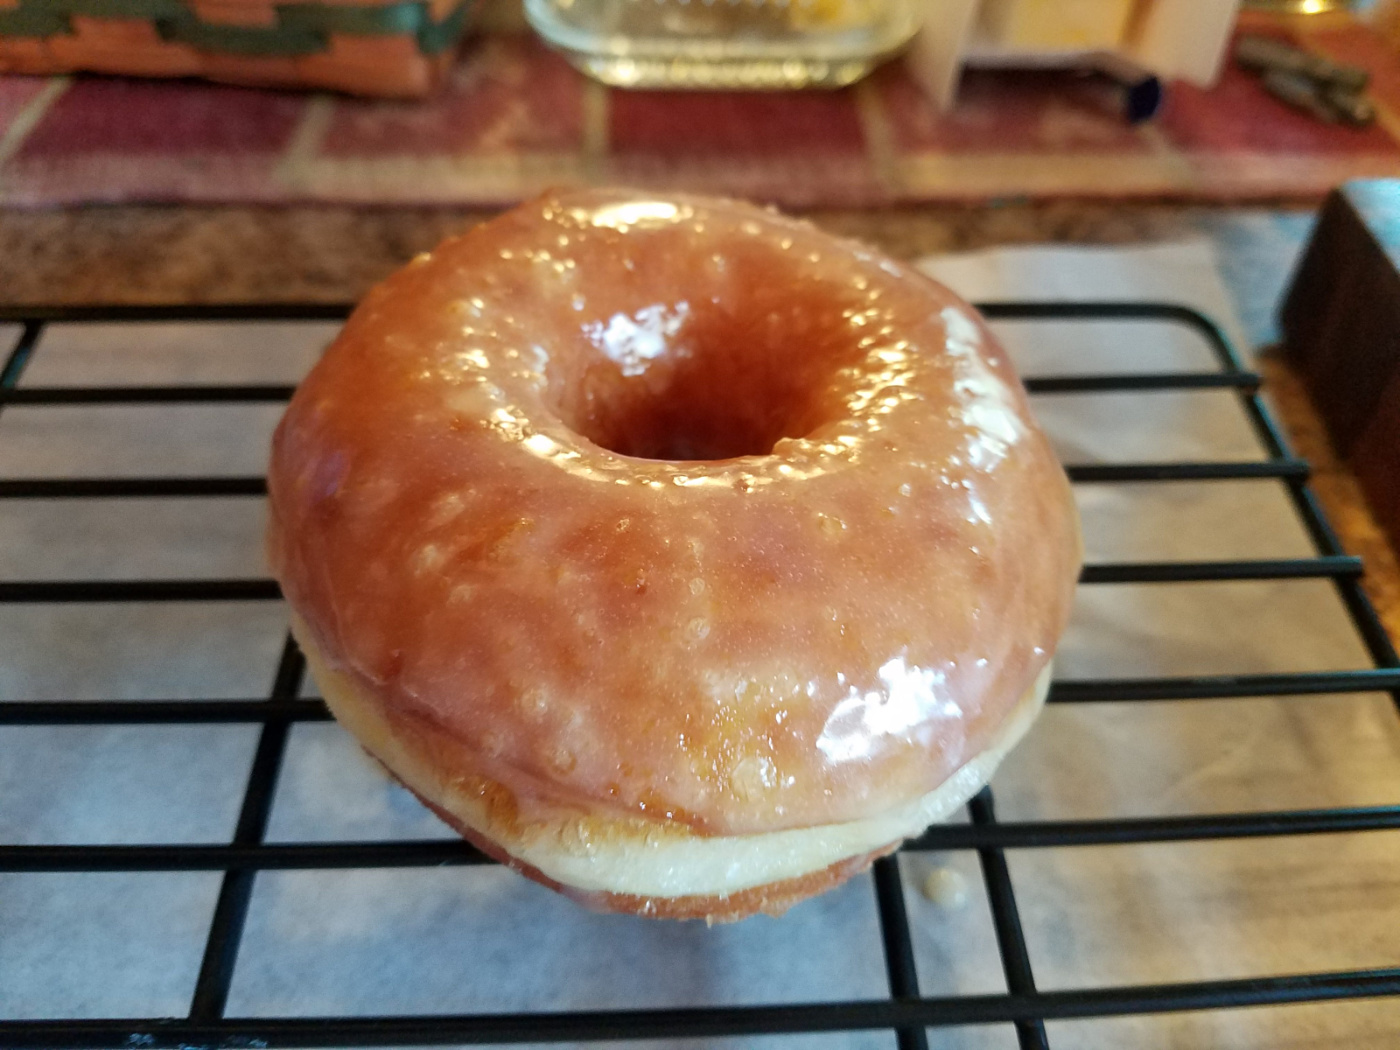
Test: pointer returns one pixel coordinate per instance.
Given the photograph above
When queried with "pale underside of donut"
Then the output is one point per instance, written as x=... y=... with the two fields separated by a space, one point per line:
x=655 y=868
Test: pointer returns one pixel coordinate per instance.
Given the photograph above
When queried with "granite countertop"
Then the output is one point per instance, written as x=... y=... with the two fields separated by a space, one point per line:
x=163 y=254
x=133 y=254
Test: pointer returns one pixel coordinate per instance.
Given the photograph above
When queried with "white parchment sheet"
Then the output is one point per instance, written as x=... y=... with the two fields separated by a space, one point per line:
x=484 y=940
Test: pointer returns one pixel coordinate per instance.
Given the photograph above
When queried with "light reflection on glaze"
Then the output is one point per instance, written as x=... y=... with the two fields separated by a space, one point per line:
x=624 y=216
x=913 y=701
x=633 y=342
x=988 y=405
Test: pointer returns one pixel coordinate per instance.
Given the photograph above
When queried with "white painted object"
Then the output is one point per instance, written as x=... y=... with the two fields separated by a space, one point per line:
x=1071 y=25
x=1173 y=39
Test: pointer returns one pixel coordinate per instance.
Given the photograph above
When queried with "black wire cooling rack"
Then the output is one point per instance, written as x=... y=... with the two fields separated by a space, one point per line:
x=904 y=1011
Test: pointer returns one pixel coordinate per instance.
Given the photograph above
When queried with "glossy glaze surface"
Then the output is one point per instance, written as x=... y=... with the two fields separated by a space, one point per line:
x=677 y=508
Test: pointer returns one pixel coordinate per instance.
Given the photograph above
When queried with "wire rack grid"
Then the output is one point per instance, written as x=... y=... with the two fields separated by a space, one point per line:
x=905 y=1012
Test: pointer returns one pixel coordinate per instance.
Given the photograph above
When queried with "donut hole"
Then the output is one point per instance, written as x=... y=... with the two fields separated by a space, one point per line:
x=716 y=383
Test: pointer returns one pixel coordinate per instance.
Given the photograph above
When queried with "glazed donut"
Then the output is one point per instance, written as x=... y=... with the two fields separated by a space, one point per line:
x=679 y=555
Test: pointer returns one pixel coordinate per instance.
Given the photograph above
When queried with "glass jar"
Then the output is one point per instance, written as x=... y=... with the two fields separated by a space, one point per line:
x=726 y=43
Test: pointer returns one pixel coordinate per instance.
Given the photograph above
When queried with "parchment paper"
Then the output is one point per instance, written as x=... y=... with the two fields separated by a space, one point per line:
x=482 y=939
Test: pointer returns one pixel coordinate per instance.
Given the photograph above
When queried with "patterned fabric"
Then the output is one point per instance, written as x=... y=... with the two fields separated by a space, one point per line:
x=375 y=47
x=513 y=119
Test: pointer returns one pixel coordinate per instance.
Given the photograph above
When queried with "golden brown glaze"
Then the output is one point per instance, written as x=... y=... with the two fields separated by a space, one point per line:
x=679 y=509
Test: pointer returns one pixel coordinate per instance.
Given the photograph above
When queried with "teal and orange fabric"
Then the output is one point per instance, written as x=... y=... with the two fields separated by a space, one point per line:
x=396 y=48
